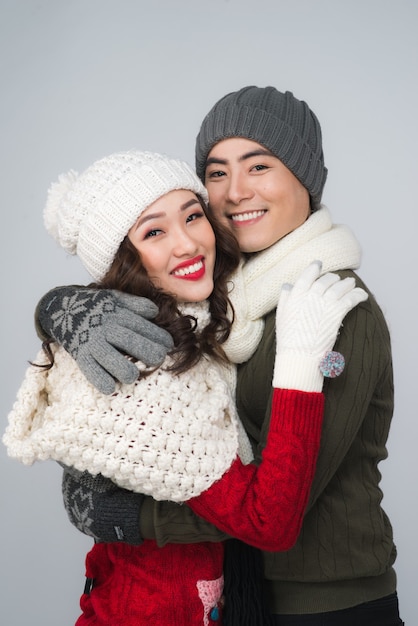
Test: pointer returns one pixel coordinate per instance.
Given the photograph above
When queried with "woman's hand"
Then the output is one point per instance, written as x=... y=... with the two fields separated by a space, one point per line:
x=308 y=319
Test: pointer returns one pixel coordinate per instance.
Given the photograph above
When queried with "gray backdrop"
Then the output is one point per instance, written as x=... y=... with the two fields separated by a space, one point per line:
x=82 y=78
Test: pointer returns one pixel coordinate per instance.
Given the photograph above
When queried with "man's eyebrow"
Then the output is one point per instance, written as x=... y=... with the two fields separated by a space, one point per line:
x=253 y=153
x=243 y=157
x=211 y=160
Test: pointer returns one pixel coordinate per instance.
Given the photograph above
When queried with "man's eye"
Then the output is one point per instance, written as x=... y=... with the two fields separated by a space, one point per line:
x=215 y=174
x=258 y=168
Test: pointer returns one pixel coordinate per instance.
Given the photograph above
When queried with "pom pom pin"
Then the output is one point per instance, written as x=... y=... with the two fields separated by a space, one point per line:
x=332 y=364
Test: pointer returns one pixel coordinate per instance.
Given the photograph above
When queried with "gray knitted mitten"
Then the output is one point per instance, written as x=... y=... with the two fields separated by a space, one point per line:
x=100 y=509
x=97 y=325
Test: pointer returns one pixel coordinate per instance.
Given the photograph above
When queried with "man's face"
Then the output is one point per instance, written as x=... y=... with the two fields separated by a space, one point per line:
x=254 y=193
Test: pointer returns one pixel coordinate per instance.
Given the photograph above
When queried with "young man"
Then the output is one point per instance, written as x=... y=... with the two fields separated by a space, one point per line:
x=259 y=152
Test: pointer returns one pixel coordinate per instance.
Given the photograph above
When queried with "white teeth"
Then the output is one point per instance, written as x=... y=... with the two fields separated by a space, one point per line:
x=243 y=217
x=185 y=271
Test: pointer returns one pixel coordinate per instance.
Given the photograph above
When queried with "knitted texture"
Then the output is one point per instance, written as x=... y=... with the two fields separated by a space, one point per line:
x=182 y=583
x=308 y=319
x=176 y=584
x=100 y=509
x=89 y=214
x=278 y=121
x=168 y=436
x=98 y=326
x=264 y=505
x=345 y=551
x=257 y=283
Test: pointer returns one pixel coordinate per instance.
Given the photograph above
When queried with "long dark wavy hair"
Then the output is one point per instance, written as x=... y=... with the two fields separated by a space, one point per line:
x=127 y=273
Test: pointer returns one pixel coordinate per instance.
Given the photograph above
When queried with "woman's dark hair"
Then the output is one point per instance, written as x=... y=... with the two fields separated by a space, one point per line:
x=127 y=274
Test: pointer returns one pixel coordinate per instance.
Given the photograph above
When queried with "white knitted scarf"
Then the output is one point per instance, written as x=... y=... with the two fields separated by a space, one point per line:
x=168 y=436
x=258 y=281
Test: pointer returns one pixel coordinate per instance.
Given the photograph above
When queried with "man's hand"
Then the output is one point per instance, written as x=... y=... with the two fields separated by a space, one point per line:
x=98 y=326
x=100 y=509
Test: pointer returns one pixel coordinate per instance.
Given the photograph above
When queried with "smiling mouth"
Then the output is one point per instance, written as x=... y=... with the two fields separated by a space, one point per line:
x=248 y=216
x=191 y=271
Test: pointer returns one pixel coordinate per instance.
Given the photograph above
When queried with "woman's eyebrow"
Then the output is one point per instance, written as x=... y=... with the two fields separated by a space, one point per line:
x=189 y=203
x=152 y=216
x=148 y=217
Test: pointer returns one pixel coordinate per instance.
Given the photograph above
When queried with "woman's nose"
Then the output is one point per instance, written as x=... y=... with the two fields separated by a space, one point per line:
x=184 y=243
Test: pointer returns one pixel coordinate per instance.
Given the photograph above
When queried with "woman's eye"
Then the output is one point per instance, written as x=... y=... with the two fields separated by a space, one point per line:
x=194 y=216
x=152 y=233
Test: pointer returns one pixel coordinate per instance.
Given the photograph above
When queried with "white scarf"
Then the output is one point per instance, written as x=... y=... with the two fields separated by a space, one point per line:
x=258 y=281
x=169 y=436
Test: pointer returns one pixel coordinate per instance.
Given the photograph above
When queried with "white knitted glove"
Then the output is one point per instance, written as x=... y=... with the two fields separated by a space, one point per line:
x=308 y=319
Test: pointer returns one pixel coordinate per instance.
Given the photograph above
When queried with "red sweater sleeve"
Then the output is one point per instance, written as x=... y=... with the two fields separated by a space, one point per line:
x=264 y=506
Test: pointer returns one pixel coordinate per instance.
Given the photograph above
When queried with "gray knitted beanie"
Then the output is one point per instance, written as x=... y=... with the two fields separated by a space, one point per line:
x=283 y=124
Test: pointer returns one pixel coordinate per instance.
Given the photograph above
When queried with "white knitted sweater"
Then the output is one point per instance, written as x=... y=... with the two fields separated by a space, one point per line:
x=168 y=436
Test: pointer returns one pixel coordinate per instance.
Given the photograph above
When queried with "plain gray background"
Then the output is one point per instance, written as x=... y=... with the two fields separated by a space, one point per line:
x=80 y=79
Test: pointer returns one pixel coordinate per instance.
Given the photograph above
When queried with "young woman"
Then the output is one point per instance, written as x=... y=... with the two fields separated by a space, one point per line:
x=138 y=222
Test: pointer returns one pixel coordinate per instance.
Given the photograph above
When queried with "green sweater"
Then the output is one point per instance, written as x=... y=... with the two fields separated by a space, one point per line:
x=345 y=552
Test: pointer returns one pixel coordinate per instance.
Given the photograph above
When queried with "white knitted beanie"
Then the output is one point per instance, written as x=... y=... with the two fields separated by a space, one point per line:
x=89 y=214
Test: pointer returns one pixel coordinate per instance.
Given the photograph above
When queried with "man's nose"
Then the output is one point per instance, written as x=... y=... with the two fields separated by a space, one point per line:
x=239 y=188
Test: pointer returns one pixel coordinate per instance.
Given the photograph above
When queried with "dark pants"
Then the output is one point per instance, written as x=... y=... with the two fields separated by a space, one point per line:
x=382 y=612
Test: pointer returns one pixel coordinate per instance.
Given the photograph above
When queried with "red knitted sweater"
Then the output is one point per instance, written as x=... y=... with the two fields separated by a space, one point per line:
x=263 y=506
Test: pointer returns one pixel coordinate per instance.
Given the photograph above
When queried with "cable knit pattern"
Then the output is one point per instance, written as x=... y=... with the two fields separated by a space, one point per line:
x=166 y=436
x=258 y=281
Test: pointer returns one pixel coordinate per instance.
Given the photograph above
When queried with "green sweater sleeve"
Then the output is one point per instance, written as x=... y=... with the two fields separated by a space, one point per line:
x=168 y=522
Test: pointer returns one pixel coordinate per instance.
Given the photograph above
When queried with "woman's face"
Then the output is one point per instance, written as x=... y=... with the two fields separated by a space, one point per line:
x=253 y=193
x=177 y=246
